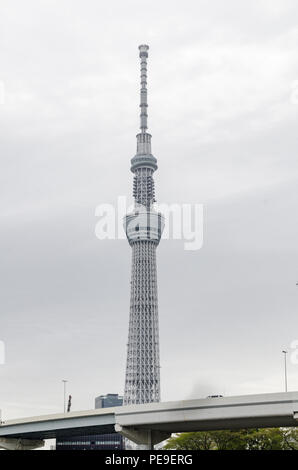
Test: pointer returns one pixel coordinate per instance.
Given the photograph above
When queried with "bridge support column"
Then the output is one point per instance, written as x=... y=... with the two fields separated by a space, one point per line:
x=147 y=437
x=20 y=444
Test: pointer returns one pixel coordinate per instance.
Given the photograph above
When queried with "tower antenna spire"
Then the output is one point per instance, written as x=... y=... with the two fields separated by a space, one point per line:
x=143 y=94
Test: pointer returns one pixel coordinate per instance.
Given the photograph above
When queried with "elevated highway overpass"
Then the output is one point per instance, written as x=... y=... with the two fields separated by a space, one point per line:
x=154 y=422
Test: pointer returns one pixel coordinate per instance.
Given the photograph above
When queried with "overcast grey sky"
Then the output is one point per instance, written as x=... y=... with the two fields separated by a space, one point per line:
x=224 y=126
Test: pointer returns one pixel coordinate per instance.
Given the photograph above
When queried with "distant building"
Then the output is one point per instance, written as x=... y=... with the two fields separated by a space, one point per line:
x=109 y=400
x=99 y=441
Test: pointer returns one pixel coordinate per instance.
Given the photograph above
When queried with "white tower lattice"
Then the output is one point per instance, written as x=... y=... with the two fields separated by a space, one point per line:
x=143 y=229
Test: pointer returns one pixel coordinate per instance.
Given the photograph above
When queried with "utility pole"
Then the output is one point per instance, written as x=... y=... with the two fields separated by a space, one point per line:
x=286 y=375
x=64 y=390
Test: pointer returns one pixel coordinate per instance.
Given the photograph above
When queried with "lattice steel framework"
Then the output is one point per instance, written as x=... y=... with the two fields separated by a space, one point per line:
x=143 y=229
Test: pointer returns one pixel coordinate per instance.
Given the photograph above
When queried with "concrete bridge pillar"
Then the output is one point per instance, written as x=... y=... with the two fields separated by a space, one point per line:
x=20 y=444
x=146 y=437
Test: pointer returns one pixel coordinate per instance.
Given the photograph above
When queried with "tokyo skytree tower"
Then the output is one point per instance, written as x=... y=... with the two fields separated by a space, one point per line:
x=143 y=228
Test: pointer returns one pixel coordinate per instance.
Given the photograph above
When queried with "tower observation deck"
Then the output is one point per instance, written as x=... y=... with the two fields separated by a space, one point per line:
x=143 y=228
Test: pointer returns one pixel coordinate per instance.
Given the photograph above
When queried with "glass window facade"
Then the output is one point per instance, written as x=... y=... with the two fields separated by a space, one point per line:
x=99 y=441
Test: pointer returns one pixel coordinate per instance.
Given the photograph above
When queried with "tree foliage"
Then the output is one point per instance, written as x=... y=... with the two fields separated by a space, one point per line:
x=243 y=439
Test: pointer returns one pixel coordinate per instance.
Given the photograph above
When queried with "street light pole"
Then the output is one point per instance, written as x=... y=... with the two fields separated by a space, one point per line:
x=286 y=375
x=64 y=389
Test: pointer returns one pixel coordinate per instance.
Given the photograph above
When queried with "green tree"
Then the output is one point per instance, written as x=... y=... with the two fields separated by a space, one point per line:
x=265 y=439
x=191 y=441
x=244 y=439
x=290 y=438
